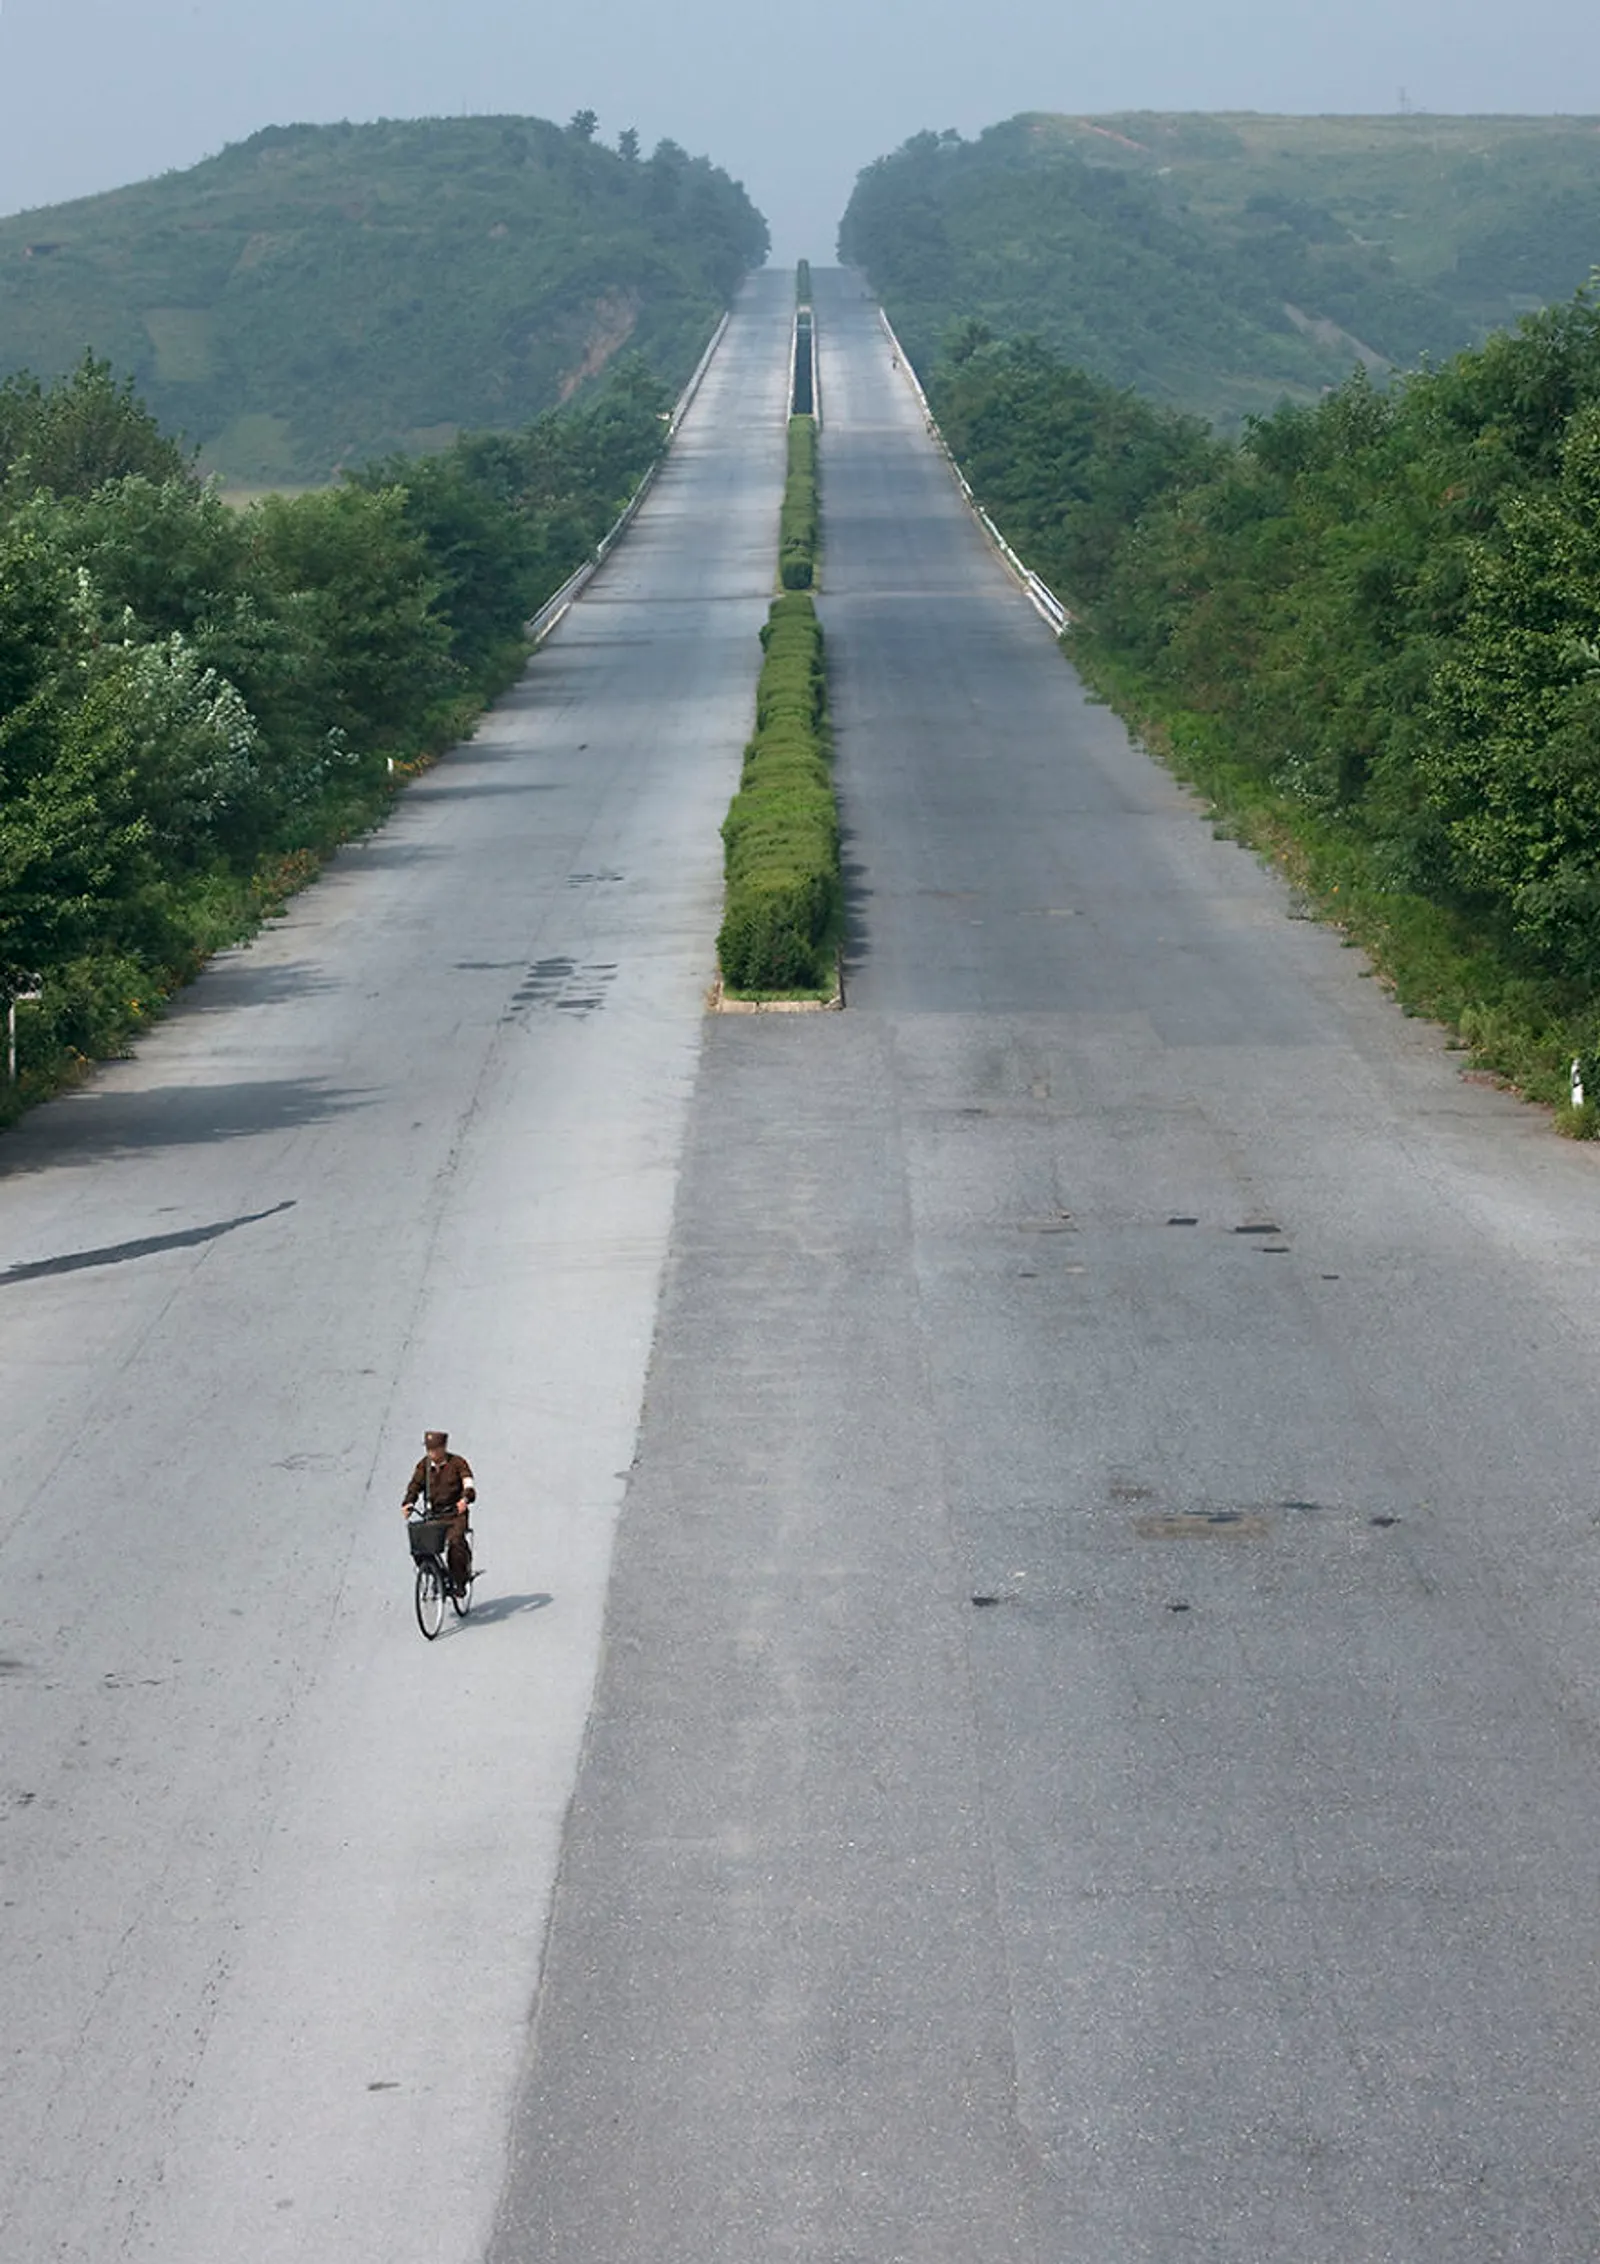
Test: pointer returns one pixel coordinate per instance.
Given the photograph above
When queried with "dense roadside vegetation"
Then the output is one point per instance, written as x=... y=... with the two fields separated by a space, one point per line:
x=195 y=703
x=1221 y=263
x=1370 y=630
x=784 y=911
x=319 y=295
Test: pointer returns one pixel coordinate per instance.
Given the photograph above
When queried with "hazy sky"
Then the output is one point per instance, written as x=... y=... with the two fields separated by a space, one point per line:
x=793 y=101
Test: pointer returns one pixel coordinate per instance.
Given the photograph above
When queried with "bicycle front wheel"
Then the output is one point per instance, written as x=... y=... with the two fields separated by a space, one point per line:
x=430 y=1596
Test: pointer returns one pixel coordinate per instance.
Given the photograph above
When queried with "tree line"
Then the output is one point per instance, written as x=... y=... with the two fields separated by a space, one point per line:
x=1219 y=263
x=1370 y=626
x=198 y=702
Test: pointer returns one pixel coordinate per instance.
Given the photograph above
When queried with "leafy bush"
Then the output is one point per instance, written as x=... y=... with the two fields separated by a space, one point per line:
x=74 y=436
x=798 y=524
x=780 y=930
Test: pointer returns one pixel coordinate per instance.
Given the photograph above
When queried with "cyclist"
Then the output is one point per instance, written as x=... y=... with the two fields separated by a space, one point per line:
x=444 y=1481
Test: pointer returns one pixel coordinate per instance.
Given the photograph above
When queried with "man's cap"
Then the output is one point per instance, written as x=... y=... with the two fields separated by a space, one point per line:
x=436 y=1438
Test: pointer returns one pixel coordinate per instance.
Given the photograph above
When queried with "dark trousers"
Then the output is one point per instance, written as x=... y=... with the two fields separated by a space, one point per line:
x=457 y=1548
x=453 y=1542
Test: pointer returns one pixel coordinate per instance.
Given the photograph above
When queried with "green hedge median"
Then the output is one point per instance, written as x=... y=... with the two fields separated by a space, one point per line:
x=798 y=524
x=780 y=931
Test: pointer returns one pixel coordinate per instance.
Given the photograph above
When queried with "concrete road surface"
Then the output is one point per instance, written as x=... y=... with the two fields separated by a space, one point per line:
x=1098 y=1753
x=275 y=1871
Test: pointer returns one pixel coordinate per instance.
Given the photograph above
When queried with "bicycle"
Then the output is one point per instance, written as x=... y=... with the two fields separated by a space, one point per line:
x=434 y=1584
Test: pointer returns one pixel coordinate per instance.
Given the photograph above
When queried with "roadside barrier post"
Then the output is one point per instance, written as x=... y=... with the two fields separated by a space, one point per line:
x=29 y=995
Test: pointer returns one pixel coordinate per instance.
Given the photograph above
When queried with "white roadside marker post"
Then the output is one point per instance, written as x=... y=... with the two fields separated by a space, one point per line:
x=31 y=992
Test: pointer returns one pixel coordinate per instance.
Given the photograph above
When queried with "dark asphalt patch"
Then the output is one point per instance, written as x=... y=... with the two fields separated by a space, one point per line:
x=1204 y=1524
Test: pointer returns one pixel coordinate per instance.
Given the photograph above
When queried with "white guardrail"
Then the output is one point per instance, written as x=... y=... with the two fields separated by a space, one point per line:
x=553 y=608
x=1043 y=599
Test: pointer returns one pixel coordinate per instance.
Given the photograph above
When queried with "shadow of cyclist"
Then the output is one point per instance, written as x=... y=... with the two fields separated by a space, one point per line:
x=506 y=1607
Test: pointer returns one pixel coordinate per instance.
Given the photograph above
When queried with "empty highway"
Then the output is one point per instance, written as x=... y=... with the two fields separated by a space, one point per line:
x=1035 y=1696
x=1097 y=1756
x=275 y=1870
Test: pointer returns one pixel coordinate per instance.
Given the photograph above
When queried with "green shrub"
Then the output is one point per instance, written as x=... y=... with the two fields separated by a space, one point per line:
x=798 y=527
x=780 y=930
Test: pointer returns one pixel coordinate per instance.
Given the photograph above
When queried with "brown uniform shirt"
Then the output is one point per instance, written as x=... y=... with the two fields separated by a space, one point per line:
x=446 y=1481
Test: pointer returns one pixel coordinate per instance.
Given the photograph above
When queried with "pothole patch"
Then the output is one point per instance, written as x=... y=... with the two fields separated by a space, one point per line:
x=1204 y=1525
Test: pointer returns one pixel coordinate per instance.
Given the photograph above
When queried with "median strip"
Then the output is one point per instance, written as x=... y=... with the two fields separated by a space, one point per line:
x=797 y=522
x=783 y=917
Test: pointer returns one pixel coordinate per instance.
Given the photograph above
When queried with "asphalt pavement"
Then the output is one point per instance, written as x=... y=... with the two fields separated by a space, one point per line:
x=1096 y=1754
x=275 y=1872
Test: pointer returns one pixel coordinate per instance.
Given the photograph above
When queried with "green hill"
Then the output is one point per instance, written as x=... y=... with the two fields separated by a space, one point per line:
x=320 y=294
x=1220 y=263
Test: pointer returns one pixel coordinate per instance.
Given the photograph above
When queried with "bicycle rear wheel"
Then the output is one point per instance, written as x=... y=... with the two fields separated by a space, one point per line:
x=461 y=1598
x=430 y=1596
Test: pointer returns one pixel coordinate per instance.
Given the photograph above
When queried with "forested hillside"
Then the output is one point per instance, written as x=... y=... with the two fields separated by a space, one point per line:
x=195 y=701
x=1220 y=264
x=319 y=295
x=1370 y=630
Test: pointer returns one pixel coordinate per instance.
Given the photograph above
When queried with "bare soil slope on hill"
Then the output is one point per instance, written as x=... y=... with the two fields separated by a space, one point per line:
x=320 y=294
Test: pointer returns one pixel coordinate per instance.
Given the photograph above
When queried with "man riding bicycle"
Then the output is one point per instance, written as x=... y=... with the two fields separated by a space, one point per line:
x=444 y=1481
